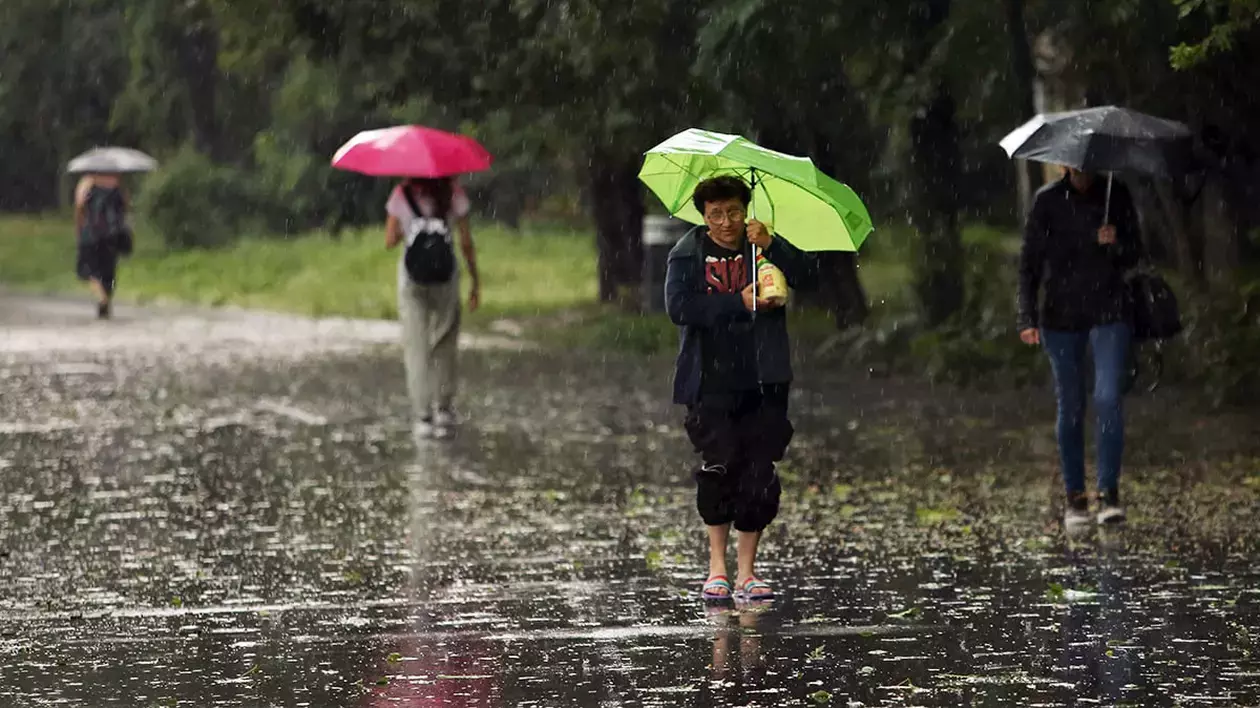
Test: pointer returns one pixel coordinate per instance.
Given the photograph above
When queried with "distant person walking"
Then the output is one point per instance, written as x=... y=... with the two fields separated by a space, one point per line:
x=100 y=218
x=1080 y=263
x=421 y=212
x=733 y=373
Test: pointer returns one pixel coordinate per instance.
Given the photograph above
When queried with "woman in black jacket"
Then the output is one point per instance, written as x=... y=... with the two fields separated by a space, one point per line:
x=1077 y=253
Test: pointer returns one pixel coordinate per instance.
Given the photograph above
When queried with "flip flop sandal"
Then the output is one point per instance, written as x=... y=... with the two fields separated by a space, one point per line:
x=746 y=590
x=713 y=585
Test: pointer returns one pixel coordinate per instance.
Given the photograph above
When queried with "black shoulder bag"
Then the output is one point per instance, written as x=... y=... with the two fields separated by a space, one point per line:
x=1155 y=317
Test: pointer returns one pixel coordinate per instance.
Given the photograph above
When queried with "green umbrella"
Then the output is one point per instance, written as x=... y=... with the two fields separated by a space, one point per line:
x=805 y=206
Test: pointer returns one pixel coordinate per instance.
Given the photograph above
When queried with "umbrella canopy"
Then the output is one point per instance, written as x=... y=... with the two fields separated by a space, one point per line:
x=805 y=206
x=411 y=151
x=1104 y=139
x=112 y=160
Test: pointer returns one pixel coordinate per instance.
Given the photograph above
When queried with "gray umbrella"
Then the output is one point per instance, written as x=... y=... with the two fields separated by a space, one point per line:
x=113 y=160
x=1105 y=139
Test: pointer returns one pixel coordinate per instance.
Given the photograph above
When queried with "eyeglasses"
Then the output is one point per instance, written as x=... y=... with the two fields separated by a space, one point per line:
x=732 y=216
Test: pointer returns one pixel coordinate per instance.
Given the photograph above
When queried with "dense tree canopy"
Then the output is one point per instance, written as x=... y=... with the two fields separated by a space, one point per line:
x=904 y=101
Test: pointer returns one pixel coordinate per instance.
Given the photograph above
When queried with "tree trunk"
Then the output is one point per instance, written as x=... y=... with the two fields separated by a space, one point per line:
x=198 y=55
x=1188 y=247
x=1222 y=238
x=840 y=290
x=1027 y=174
x=617 y=202
x=1157 y=239
x=939 y=263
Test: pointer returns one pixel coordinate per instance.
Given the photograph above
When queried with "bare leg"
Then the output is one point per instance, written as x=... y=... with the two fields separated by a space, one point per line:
x=718 y=536
x=98 y=289
x=746 y=550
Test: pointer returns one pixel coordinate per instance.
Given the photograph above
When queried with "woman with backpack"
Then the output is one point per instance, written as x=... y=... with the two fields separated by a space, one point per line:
x=100 y=218
x=420 y=214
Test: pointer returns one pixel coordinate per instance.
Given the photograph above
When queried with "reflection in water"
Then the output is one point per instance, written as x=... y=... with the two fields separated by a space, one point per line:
x=202 y=551
x=1096 y=655
x=427 y=674
x=737 y=656
x=422 y=668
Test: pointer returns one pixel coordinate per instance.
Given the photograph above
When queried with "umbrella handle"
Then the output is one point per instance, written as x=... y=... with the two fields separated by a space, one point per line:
x=1107 y=205
x=752 y=188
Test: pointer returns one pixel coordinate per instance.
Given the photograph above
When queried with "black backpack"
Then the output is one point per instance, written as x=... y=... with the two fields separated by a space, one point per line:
x=106 y=222
x=429 y=258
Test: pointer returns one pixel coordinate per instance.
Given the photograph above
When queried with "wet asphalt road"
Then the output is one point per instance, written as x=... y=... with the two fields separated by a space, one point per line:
x=212 y=509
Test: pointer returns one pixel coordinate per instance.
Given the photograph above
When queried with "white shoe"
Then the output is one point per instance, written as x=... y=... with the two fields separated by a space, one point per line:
x=1109 y=510
x=444 y=423
x=1076 y=514
x=423 y=429
x=1111 y=514
x=1075 y=519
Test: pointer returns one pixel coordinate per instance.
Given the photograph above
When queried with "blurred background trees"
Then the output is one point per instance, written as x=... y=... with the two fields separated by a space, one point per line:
x=245 y=102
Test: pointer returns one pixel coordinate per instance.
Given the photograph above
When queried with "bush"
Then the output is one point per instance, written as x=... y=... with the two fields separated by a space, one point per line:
x=1218 y=347
x=193 y=203
x=977 y=346
x=980 y=340
x=290 y=185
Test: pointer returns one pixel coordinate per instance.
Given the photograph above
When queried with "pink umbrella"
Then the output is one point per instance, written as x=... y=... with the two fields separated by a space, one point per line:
x=411 y=151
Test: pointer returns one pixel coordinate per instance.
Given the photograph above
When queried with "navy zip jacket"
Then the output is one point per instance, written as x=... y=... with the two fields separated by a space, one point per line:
x=693 y=309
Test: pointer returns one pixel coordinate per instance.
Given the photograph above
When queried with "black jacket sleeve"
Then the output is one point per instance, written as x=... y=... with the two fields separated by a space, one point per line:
x=800 y=269
x=1032 y=260
x=688 y=304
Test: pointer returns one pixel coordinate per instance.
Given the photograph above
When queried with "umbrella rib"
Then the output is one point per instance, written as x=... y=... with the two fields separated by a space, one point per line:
x=766 y=192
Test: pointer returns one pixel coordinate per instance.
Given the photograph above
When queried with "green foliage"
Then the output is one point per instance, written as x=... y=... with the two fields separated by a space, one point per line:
x=980 y=339
x=977 y=346
x=316 y=107
x=193 y=203
x=559 y=90
x=612 y=328
x=1226 y=20
x=1217 y=350
x=54 y=95
x=524 y=274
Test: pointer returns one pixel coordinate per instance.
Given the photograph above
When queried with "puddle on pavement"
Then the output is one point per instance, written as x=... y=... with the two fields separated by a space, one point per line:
x=266 y=535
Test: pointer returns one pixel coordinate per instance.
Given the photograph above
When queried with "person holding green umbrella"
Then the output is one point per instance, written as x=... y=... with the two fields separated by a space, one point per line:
x=734 y=371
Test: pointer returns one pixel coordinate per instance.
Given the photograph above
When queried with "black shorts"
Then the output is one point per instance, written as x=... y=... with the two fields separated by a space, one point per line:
x=740 y=436
x=98 y=262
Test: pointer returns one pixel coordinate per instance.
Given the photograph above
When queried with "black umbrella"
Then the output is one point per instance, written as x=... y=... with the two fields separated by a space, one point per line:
x=1105 y=139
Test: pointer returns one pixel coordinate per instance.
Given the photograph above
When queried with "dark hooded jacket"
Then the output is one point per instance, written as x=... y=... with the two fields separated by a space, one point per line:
x=693 y=309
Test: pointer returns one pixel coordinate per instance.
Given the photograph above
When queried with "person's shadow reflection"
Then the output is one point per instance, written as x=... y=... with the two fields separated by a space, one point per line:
x=1095 y=628
x=423 y=666
x=738 y=661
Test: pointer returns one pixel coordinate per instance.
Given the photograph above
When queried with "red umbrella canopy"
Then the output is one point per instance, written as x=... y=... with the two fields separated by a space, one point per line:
x=411 y=151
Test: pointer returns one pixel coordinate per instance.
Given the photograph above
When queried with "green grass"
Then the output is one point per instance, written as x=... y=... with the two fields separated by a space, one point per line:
x=533 y=272
x=546 y=274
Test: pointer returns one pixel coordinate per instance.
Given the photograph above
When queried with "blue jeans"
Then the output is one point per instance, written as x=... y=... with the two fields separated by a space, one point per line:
x=1110 y=345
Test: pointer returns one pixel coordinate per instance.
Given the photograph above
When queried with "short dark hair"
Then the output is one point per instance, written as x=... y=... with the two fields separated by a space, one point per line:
x=719 y=189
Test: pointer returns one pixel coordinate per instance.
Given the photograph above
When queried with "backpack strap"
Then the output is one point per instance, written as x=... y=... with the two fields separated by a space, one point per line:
x=411 y=201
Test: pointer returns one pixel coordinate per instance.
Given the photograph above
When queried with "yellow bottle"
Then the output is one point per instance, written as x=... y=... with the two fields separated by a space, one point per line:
x=771 y=285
